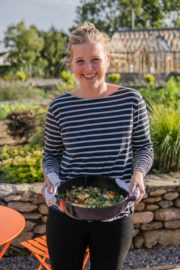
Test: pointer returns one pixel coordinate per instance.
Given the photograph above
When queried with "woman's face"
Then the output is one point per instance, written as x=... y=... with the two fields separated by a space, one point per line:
x=89 y=63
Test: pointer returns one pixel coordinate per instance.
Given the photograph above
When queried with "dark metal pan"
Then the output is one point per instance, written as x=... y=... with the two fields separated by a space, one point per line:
x=93 y=214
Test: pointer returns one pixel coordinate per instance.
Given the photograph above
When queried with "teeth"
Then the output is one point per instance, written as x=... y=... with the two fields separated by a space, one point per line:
x=89 y=76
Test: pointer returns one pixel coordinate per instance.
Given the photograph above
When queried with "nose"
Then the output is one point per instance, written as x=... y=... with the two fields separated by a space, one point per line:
x=88 y=66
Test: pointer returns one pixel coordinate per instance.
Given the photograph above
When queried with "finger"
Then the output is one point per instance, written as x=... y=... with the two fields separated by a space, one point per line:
x=141 y=195
x=50 y=187
x=132 y=189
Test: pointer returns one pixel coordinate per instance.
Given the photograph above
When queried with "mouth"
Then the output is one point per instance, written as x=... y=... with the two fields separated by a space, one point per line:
x=89 y=76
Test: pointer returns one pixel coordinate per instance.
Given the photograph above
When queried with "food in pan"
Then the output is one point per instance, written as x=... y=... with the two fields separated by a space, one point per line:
x=91 y=197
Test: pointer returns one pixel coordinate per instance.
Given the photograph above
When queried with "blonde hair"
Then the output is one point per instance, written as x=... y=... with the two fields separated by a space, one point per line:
x=87 y=33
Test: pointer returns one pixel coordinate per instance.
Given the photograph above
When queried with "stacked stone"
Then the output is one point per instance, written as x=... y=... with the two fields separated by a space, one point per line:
x=27 y=199
x=156 y=218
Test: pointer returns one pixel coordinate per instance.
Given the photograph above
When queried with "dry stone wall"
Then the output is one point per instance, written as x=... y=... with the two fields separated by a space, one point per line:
x=156 y=217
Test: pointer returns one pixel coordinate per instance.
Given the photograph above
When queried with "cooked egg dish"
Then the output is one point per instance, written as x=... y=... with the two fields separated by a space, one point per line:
x=91 y=197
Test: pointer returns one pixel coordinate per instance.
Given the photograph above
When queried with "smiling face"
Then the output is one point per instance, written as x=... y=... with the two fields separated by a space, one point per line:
x=89 y=63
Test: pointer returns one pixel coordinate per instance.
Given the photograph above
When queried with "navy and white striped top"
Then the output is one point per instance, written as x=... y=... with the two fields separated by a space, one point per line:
x=105 y=136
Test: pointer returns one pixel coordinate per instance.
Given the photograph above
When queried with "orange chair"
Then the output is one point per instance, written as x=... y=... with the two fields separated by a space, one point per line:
x=38 y=246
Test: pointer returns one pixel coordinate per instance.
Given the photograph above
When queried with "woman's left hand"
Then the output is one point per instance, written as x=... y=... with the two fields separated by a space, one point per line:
x=137 y=180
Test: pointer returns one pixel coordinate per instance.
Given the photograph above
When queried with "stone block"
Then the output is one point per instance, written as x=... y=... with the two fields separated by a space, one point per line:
x=143 y=217
x=32 y=216
x=167 y=214
x=6 y=189
x=173 y=224
x=44 y=219
x=162 y=237
x=155 y=225
x=38 y=199
x=152 y=199
x=40 y=229
x=171 y=195
x=43 y=209
x=177 y=202
x=138 y=241
x=140 y=206
x=29 y=226
x=165 y=203
x=24 y=236
x=36 y=187
x=157 y=192
x=137 y=226
x=21 y=188
x=135 y=232
x=152 y=207
x=22 y=206
x=25 y=197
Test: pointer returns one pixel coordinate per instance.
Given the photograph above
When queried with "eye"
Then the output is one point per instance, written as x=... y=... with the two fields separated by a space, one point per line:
x=95 y=59
x=79 y=61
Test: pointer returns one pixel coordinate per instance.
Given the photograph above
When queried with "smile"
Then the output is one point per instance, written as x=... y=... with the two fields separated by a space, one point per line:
x=89 y=77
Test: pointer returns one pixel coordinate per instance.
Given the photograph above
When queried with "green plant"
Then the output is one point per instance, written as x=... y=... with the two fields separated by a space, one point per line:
x=67 y=77
x=149 y=78
x=21 y=164
x=165 y=134
x=114 y=77
x=166 y=95
x=38 y=137
x=17 y=91
x=21 y=76
x=6 y=108
x=171 y=92
x=21 y=125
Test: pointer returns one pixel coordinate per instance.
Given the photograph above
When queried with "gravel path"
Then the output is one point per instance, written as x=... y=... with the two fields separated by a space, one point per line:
x=140 y=258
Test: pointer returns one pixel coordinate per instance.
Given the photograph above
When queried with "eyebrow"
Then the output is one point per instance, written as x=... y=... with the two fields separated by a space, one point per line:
x=82 y=57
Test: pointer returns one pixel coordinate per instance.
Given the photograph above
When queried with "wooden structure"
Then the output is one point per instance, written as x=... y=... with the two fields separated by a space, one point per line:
x=155 y=51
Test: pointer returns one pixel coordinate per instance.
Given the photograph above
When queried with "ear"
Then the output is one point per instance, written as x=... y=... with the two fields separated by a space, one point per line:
x=108 y=57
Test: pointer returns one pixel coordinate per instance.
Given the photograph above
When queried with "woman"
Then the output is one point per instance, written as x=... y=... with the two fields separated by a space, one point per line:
x=94 y=130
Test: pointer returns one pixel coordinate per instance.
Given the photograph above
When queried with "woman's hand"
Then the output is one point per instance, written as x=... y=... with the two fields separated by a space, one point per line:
x=137 y=180
x=48 y=184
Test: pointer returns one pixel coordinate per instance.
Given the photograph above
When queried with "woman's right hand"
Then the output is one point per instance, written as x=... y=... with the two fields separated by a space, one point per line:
x=47 y=183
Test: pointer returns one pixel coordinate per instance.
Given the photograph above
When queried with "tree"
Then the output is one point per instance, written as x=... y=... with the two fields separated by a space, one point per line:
x=54 y=49
x=24 y=45
x=111 y=15
x=35 y=52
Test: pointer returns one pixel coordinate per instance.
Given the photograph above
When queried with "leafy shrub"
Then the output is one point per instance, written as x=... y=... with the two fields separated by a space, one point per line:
x=9 y=77
x=38 y=136
x=114 y=77
x=171 y=92
x=165 y=134
x=21 y=164
x=21 y=124
x=67 y=77
x=21 y=76
x=15 y=91
x=167 y=95
x=6 y=108
x=149 y=78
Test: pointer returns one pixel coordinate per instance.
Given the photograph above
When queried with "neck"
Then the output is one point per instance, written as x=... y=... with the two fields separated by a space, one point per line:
x=92 y=93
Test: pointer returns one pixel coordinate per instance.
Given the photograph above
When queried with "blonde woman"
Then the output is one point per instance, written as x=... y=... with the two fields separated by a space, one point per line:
x=94 y=130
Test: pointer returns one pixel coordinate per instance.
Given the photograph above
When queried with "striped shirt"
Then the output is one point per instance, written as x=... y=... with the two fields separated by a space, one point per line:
x=106 y=136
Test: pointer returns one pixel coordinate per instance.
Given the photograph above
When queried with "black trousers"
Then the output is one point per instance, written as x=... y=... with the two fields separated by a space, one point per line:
x=67 y=239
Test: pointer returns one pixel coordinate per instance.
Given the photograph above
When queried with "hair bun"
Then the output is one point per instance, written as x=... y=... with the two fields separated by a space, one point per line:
x=87 y=26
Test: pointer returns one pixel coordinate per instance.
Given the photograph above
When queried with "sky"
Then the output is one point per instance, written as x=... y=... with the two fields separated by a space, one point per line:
x=42 y=13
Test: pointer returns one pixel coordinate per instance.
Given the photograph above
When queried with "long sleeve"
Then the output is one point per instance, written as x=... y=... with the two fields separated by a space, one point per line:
x=53 y=145
x=142 y=146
